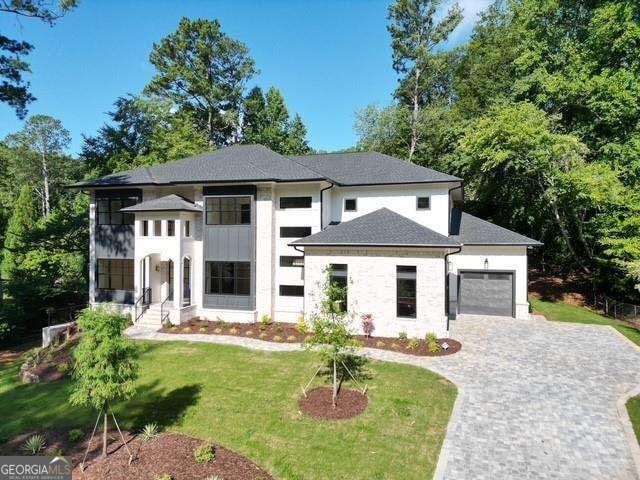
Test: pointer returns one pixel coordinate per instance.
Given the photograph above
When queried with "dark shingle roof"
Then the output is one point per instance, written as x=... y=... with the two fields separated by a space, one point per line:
x=370 y=168
x=257 y=163
x=470 y=230
x=166 y=203
x=237 y=163
x=380 y=228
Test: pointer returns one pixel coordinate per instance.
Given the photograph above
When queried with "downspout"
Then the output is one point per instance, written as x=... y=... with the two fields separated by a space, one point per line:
x=446 y=283
x=322 y=190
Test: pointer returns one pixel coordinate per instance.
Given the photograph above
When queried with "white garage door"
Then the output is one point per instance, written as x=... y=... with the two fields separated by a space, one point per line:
x=486 y=293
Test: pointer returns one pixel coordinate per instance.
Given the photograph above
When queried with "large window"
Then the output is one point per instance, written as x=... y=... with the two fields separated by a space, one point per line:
x=171 y=228
x=157 y=228
x=228 y=210
x=338 y=283
x=295 y=202
x=292 y=290
x=186 y=282
x=406 y=291
x=115 y=274
x=108 y=210
x=294 y=232
x=228 y=278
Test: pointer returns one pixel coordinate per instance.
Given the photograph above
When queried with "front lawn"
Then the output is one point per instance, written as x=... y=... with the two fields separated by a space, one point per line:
x=247 y=401
x=633 y=407
x=563 y=312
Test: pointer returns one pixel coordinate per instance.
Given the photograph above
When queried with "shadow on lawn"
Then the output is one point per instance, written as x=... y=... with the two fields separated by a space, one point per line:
x=152 y=405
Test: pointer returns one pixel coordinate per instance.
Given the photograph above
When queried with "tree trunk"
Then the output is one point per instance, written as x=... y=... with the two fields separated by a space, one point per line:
x=104 y=435
x=565 y=234
x=414 y=115
x=210 y=126
x=335 y=382
x=45 y=180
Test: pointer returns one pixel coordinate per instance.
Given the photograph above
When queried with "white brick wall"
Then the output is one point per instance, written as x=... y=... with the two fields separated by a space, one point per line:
x=372 y=287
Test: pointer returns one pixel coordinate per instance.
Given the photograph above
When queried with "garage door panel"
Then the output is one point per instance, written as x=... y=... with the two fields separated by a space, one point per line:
x=486 y=293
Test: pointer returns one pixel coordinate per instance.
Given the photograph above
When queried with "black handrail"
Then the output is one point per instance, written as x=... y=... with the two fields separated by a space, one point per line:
x=162 y=315
x=145 y=298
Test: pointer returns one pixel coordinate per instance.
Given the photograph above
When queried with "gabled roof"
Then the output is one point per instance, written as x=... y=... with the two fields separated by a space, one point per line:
x=170 y=202
x=469 y=230
x=370 y=168
x=257 y=163
x=382 y=228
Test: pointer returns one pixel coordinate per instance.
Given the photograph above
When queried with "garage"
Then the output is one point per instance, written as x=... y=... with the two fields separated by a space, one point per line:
x=486 y=293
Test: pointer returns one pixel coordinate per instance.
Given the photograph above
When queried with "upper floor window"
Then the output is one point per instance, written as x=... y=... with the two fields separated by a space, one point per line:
x=423 y=203
x=145 y=228
x=291 y=290
x=187 y=228
x=295 y=202
x=157 y=228
x=291 y=261
x=406 y=291
x=108 y=211
x=228 y=210
x=350 y=205
x=294 y=232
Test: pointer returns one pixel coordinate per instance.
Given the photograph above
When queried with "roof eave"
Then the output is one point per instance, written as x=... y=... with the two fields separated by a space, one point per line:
x=393 y=245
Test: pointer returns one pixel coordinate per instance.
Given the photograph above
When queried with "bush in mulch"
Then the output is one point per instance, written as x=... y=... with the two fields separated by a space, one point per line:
x=290 y=333
x=318 y=404
x=166 y=454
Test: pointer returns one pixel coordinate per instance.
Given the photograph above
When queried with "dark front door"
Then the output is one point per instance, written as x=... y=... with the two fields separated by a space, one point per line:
x=486 y=293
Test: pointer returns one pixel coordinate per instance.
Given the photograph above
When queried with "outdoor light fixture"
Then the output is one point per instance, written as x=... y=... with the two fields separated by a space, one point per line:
x=486 y=263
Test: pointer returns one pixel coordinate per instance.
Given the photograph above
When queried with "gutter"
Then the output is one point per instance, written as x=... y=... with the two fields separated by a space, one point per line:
x=322 y=190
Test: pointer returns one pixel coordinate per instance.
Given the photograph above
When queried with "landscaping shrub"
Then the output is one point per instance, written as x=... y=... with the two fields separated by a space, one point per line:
x=402 y=335
x=433 y=346
x=413 y=344
x=164 y=476
x=75 y=435
x=149 y=431
x=301 y=325
x=265 y=319
x=34 y=445
x=204 y=453
x=63 y=367
x=431 y=337
x=367 y=324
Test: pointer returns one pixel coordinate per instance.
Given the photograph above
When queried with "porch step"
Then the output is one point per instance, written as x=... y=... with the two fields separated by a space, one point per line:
x=151 y=317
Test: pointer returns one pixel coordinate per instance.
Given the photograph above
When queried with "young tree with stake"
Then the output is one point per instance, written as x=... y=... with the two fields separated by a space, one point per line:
x=105 y=366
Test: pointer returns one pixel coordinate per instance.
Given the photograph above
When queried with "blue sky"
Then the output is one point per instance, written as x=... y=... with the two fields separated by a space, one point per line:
x=328 y=58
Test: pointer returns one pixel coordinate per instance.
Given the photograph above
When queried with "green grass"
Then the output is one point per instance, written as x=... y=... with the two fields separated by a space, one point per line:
x=563 y=312
x=247 y=401
x=633 y=407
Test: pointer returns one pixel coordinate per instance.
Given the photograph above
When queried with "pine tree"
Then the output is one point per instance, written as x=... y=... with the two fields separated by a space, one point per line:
x=22 y=221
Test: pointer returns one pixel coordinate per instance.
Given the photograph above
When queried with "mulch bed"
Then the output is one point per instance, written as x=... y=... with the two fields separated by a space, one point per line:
x=168 y=453
x=281 y=332
x=318 y=404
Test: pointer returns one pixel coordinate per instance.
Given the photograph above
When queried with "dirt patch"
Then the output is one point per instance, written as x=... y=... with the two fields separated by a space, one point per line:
x=281 y=332
x=49 y=364
x=168 y=453
x=411 y=346
x=11 y=354
x=318 y=404
x=559 y=289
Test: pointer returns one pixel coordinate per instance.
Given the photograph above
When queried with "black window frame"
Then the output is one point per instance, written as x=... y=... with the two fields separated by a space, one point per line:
x=339 y=273
x=112 y=213
x=289 y=260
x=157 y=227
x=186 y=282
x=145 y=228
x=406 y=275
x=171 y=228
x=295 y=202
x=187 y=228
x=427 y=198
x=355 y=204
x=228 y=209
x=112 y=269
x=292 y=233
x=291 y=290
x=215 y=278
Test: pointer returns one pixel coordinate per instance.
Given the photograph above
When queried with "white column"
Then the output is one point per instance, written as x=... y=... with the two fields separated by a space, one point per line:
x=264 y=251
x=92 y=247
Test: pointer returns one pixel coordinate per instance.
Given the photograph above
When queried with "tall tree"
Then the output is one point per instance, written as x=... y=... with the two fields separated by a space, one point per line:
x=415 y=34
x=21 y=223
x=46 y=138
x=204 y=70
x=296 y=142
x=13 y=89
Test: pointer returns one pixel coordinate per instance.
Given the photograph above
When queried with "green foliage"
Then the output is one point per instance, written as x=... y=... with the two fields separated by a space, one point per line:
x=431 y=337
x=105 y=367
x=402 y=335
x=149 y=431
x=63 y=367
x=164 y=476
x=34 y=445
x=204 y=453
x=75 y=435
x=301 y=325
x=433 y=346
x=413 y=344
x=203 y=70
x=22 y=221
x=265 y=319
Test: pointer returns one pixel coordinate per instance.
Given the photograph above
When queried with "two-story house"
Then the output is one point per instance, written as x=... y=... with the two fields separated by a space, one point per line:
x=243 y=231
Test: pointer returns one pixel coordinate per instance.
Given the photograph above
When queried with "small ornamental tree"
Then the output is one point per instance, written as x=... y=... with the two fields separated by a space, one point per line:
x=105 y=364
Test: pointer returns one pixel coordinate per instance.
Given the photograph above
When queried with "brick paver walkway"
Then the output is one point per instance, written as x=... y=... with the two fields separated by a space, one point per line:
x=537 y=399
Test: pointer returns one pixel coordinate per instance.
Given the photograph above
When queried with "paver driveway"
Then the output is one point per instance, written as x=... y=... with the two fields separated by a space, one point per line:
x=537 y=399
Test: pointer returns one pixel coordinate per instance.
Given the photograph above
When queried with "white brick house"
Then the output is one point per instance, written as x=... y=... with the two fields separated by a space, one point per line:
x=243 y=232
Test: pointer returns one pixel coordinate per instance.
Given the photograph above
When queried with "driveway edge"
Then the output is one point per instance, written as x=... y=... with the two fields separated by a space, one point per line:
x=625 y=420
x=445 y=450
